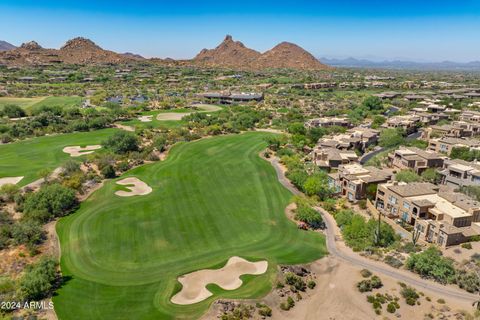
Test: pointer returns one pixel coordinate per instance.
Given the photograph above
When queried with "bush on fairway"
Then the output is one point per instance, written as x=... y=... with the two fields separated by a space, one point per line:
x=122 y=142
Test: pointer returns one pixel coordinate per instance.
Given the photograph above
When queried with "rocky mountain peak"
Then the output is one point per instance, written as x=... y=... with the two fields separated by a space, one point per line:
x=32 y=45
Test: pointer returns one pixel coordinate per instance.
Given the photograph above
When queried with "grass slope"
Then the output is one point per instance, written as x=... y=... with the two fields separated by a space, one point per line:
x=212 y=199
x=26 y=158
x=37 y=102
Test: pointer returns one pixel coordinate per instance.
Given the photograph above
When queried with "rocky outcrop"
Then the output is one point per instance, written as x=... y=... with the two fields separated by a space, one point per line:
x=229 y=54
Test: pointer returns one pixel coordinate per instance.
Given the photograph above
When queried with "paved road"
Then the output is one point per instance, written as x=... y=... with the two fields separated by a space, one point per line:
x=363 y=159
x=351 y=257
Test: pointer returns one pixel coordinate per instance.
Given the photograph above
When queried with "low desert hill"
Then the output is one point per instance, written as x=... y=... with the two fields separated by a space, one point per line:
x=5 y=46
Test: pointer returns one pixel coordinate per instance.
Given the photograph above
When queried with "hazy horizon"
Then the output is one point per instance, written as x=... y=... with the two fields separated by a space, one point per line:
x=432 y=31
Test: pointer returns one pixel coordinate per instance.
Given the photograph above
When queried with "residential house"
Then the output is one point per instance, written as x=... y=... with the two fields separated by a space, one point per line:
x=412 y=158
x=327 y=158
x=328 y=122
x=231 y=98
x=446 y=144
x=458 y=173
x=409 y=123
x=438 y=214
x=353 y=180
x=353 y=139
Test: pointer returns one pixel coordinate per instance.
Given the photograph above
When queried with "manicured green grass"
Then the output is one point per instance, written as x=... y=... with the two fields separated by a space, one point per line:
x=21 y=102
x=64 y=102
x=33 y=103
x=26 y=158
x=212 y=199
x=167 y=124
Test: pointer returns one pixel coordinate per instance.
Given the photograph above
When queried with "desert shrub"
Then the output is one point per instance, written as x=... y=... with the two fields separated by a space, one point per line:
x=391 y=307
x=108 y=172
x=9 y=191
x=29 y=233
x=311 y=284
x=441 y=301
x=410 y=294
x=264 y=310
x=288 y=304
x=467 y=245
x=295 y=281
x=369 y=284
x=468 y=281
x=310 y=216
x=38 y=280
x=12 y=111
x=365 y=273
x=392 y=261
x=431 y=264
x=122 y=142
x=55 y=200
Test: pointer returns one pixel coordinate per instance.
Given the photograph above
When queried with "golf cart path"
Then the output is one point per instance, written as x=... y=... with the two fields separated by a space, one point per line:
x=337 y=248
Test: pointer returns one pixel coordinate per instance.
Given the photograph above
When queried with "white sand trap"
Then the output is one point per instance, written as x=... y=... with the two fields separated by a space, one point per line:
x=228 y=278
x=77 y=151
x=145 y=118
x=136 y=186
x=10 y=180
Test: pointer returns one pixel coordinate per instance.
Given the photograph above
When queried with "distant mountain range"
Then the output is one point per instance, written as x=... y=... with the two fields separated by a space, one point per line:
x=400 y=64
x=5 y=46
x=228 y=54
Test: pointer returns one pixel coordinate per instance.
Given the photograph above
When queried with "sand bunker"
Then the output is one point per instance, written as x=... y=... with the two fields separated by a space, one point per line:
x=228 y=278
x=145 y=118
x=136 y=186
x=77 y=151
x=10 y=180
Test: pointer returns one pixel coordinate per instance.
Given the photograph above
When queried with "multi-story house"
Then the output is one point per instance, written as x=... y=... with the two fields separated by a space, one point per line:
x=440 y=216
x=352 y=180
x=445 y=145
x=458 y=173
x=412 y=158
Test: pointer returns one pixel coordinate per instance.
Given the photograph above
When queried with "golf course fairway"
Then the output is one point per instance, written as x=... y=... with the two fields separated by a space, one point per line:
x=26 y=158
x=212 y=199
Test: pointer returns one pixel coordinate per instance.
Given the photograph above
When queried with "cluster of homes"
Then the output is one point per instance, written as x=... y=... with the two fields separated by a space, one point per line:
x=227 y=97
x=437 y=212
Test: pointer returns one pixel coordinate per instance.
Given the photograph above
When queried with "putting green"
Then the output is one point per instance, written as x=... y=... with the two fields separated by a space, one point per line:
x=212 y=199
x=28 y=157
x=172 y=117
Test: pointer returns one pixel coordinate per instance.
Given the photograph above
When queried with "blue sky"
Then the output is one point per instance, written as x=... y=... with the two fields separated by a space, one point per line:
x=421 y=30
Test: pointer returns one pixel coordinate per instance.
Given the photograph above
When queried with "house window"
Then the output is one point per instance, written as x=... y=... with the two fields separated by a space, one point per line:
x=392 y=200
x=406 y=205
x=405 y=216
x=394 y=210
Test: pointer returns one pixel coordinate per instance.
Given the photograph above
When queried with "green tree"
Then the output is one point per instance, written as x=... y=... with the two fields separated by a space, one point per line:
x=54 y=199
x=390 y=138
x=431 y=175
x=13 y=111
x=317 y=184
x=373 y=103
x=38 y=280
x=431 y=264
x=122 y=142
